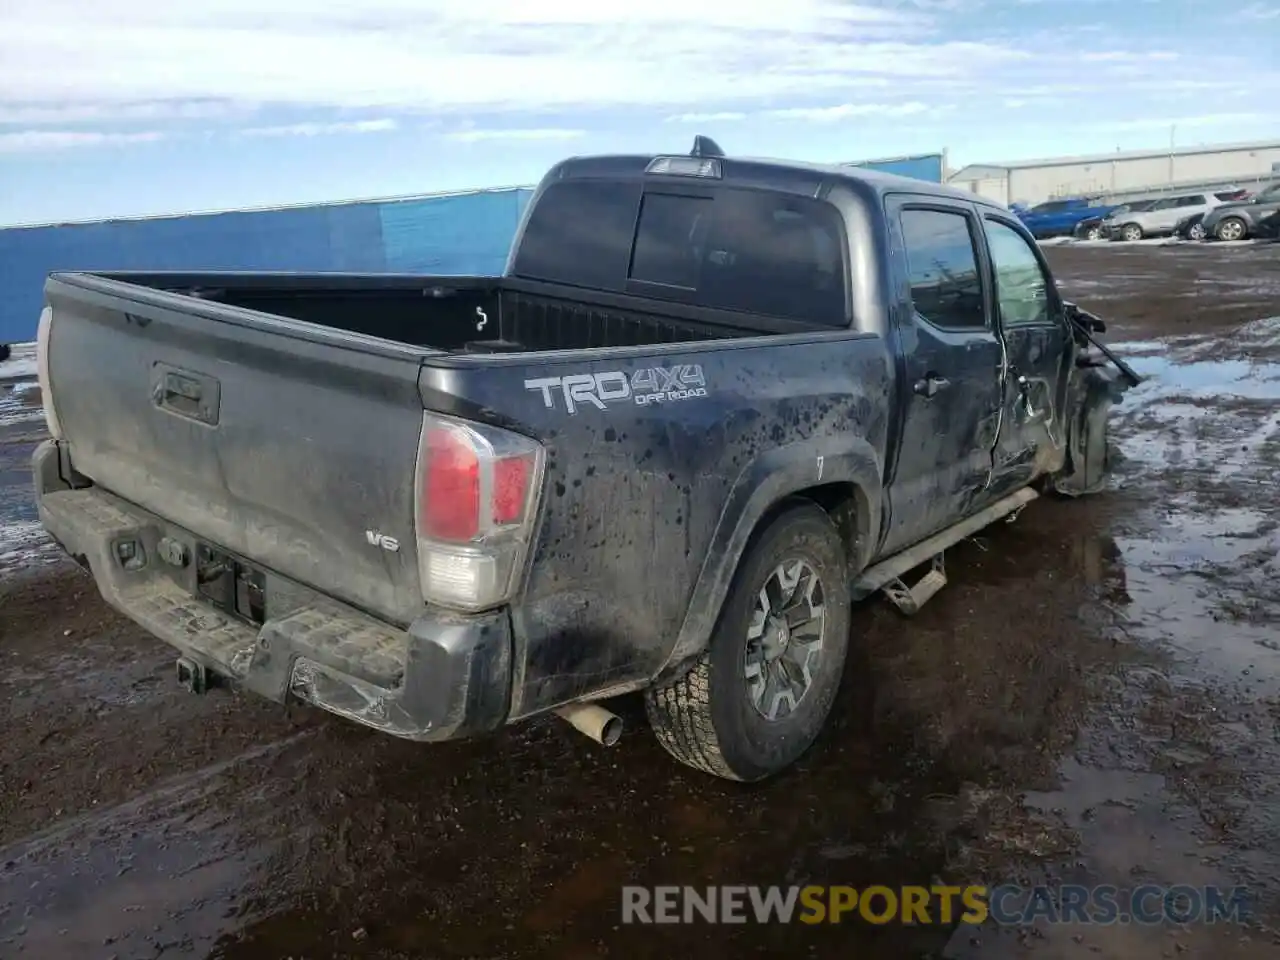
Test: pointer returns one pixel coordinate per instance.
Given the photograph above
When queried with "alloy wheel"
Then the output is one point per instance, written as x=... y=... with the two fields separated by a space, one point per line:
x=784 y=639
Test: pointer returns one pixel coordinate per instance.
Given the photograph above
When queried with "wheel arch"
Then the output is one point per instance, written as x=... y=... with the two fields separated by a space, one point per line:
x=843 y=478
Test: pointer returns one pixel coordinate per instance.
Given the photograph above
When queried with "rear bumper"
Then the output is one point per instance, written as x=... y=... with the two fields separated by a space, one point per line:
x=443 y=678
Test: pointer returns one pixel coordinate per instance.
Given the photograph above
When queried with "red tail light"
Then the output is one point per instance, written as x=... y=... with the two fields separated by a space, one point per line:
x=476 y=492
x=451 y=488
x=511 y=488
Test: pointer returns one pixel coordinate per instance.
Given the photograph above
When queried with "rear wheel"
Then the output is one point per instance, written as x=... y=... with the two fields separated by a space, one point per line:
x=1093 y=232
x=757 y=699
x=1231 y=228
x=1196 y=231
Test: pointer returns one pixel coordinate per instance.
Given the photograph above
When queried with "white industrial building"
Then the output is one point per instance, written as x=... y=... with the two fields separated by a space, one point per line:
x=1121 y=173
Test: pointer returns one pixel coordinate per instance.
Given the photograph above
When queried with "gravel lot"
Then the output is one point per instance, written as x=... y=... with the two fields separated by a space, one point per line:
x=1094 y=698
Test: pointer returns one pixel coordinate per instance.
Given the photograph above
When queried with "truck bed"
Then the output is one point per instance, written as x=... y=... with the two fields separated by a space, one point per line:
x=278 y=416
x=452 y=314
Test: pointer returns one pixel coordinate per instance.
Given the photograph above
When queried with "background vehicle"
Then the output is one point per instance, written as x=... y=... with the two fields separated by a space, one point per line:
x=1094 y=228
x=1240 y=219
x=652 y=456
x=1058 y=218
x=1269 y=227
x=1190 y=228
x=1160 y=218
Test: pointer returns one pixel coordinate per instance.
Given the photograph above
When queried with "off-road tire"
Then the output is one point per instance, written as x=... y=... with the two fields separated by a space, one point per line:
x=705 y=718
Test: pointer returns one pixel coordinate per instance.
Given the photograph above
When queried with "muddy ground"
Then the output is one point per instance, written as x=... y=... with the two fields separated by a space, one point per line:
x=1094 y=698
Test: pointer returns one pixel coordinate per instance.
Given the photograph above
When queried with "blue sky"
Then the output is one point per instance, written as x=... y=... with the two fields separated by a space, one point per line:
x=119 y=108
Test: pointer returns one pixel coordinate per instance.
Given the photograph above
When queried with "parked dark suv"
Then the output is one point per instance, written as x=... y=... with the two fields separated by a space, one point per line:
x=1244 y=219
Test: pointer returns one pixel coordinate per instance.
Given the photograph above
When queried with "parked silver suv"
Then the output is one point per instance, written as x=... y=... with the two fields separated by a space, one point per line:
x=1160 y=217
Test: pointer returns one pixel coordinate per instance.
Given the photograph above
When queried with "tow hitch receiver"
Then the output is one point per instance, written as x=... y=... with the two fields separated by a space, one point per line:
x=194 y=676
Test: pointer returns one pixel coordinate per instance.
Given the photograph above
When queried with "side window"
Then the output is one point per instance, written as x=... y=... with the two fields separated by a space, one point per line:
x=579 y=233
x=943 y=268
x=745 y=250
x=1022 y=289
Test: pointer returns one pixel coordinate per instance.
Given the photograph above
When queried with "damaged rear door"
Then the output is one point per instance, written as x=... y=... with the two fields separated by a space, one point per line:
x=1036 y=338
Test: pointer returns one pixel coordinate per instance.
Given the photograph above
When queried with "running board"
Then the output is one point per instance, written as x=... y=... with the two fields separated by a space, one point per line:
x=887 y=575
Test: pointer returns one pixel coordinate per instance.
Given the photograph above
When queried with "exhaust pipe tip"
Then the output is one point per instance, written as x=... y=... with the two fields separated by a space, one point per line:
x=601 y=725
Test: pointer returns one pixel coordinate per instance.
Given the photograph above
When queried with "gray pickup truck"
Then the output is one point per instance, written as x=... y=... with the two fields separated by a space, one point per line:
x=710 y=403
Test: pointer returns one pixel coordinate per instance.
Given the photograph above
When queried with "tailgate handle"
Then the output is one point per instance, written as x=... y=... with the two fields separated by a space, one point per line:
x=185 y=393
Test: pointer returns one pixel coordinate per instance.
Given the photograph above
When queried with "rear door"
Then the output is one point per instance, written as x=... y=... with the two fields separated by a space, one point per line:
x=1167 y=217
x=1032 y=324
x=951 y=365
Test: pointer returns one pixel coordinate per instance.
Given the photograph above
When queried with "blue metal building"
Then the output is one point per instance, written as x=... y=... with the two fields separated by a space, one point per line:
x=457 y=233
x=443 y=234
x=920 y=166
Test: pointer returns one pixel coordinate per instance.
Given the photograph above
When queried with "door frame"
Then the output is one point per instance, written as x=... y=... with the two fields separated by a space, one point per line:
x=904 y=314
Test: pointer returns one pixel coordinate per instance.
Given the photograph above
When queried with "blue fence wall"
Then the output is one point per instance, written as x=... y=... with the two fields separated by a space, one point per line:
x=465 y=233
x=928 y=166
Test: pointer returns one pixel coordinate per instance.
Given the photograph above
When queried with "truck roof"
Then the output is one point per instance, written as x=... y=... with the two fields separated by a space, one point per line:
x=795 y=176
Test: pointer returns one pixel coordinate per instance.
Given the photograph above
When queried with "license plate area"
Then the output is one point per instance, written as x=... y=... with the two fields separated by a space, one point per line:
x=234 y=587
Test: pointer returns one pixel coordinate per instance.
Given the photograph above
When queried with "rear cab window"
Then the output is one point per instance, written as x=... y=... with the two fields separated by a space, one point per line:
x=740 y=249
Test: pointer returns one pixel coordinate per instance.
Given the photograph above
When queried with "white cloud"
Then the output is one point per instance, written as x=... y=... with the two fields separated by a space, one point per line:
x=1261 y=11
x=382 y=125
x=460 y=55
x=536 y=133
x=844 y=111
x=723 y=116
x=312 y=67
x=1199 y=120
x=150 y=111
x=1128 y=56
x=34 y=141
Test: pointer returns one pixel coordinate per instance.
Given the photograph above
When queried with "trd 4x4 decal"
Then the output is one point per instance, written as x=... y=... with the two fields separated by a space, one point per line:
x=644 y=386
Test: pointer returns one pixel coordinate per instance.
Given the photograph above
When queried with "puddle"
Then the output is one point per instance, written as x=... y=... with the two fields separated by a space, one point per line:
x=25 y=545
x=19 y=404
x=161 y=874
x=21 y=363
x=1205 y=587
x=19 y=392
x=1256 y=380
x=1210 y=405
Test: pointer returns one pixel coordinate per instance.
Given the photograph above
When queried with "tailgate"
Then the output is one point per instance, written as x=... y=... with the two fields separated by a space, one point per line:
x=290 y=444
